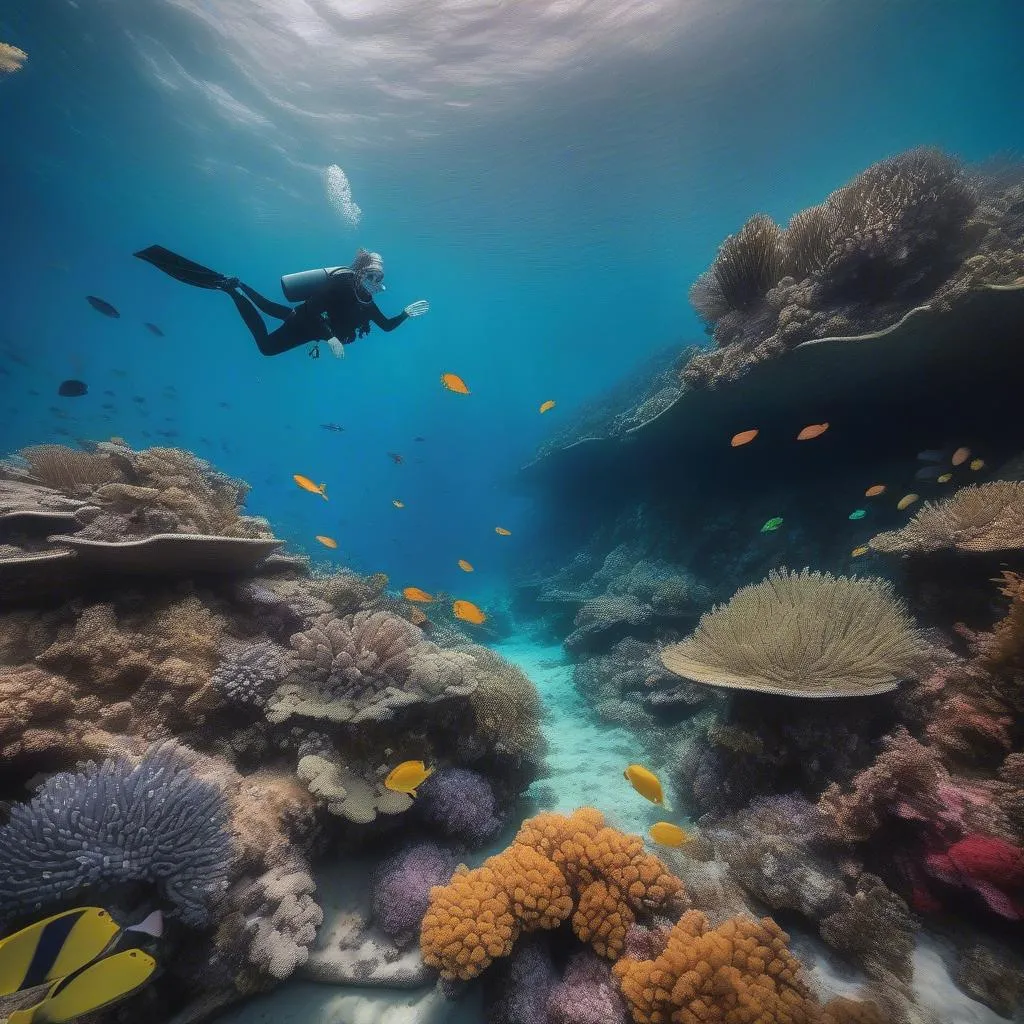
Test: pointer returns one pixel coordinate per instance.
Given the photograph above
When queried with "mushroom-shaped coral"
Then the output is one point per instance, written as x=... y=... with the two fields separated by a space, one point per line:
x=117 y=822
x=803 y=634
x=555 y=865
x=979 y=518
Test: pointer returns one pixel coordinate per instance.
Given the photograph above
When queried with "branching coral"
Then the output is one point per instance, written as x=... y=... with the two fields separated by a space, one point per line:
x=116 y=822
x=977 y=518
x=250 y=674
x=803 y=634
x=555 y=866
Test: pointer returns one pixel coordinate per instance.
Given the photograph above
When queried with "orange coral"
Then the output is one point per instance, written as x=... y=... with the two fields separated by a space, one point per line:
x=555 y=866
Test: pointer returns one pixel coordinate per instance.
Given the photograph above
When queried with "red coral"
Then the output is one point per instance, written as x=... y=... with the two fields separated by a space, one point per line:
x=990 y=866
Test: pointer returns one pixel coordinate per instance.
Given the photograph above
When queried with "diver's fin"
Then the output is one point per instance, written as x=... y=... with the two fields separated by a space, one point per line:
x=180 y=268
x=100 y=984
x=54 y=947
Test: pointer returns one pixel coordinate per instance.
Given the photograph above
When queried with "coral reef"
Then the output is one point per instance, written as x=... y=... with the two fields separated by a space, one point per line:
x=11 y=58
x=459 y=804
x=557 y=867
x=586 y=994
x=803 y=634
x=402 y=884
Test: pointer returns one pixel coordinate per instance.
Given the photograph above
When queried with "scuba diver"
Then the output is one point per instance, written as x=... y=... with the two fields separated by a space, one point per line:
x=336 y=303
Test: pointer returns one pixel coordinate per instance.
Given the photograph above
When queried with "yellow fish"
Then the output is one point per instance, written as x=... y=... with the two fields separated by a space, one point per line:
x=960 y=456
x=977 y=464
x=945 y=478
x=307 y=485
x=465 y=566
x=862 y=550
x=98 y=985
x=501 y=531
x=415 y=594
x=645 y=783
x=453 y=382
x=906 y=501
x=468 y=612
x=545 y=406
x=397 y=503
x=667 y=834
x=407 y=777
x=328 y=542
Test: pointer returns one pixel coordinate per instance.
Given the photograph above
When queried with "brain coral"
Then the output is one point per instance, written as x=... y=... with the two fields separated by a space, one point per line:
x=555 y=866
x=981 y=517
x=803 y=634
x=117 y=822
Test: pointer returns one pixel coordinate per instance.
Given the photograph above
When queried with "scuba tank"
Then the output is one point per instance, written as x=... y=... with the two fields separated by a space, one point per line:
x=299 y=287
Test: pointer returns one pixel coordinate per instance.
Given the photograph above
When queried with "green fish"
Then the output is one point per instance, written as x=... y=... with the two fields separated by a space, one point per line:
x=858 y=513
x=772 y=525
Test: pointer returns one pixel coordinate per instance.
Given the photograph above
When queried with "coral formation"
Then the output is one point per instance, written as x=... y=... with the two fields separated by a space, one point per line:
x=11 y=58
x=803 y=634
x=556 y=867
x=979 y=518
x=459 y=804
x=402 y=884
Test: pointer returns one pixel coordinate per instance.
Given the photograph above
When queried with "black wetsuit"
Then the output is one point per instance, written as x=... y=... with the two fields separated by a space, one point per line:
x=340 y=309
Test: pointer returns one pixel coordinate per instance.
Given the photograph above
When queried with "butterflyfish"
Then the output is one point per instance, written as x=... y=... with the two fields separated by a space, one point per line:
x=645 y=783
x=453 y=382
x=415 y=594
x=857 y=513
x=407 y=777
x=397 y=503
x=863 y=549
x=328 y=542
x=960 y=456
x=772 y=524
x=667 y=834
x=92 y=988
x=906 y=501
x=744 y=437
x=874 y=491
x=307 y=485
x=945 y=478
x=502 y=532
x=811 y=431
x=465 y=566
x=468 y=612
x=977 y=464
x=545 y=406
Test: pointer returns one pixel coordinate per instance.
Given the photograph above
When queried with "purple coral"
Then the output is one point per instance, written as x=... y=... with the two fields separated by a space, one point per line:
x=517 y=988
x=250 y=675
x=401 y=887
x=118 y=822
x=587 y=994
x=460 y=804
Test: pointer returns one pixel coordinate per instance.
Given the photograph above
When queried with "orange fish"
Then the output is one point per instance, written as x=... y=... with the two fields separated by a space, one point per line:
x=307 y=485
x=465 y=566
x=960 y=456
x=545 y=406
x=906 y=501
x=415 y=594
x=468 y=612
x=502 y=531
x=397 y=503
x=874 y=491
x=744 y=437
x=811 y=431
x=453 y=382
x=328 y=542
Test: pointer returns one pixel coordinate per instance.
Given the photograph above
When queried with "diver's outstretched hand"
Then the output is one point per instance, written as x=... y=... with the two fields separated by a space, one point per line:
x=417 y=308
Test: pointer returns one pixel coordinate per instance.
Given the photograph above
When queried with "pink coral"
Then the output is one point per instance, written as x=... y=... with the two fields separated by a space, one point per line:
x=990 y=866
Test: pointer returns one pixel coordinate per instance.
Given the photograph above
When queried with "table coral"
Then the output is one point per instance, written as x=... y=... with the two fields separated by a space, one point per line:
x=556 y=865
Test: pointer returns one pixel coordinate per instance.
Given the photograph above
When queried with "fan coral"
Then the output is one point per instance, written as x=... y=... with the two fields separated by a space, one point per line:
x=980 y=517
x=459 y=803
x=990 y=866
x=402 y=884
x=116 y=822
x=555 y=865
x=803 y=634
x=74 y=473
x=742 y=971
